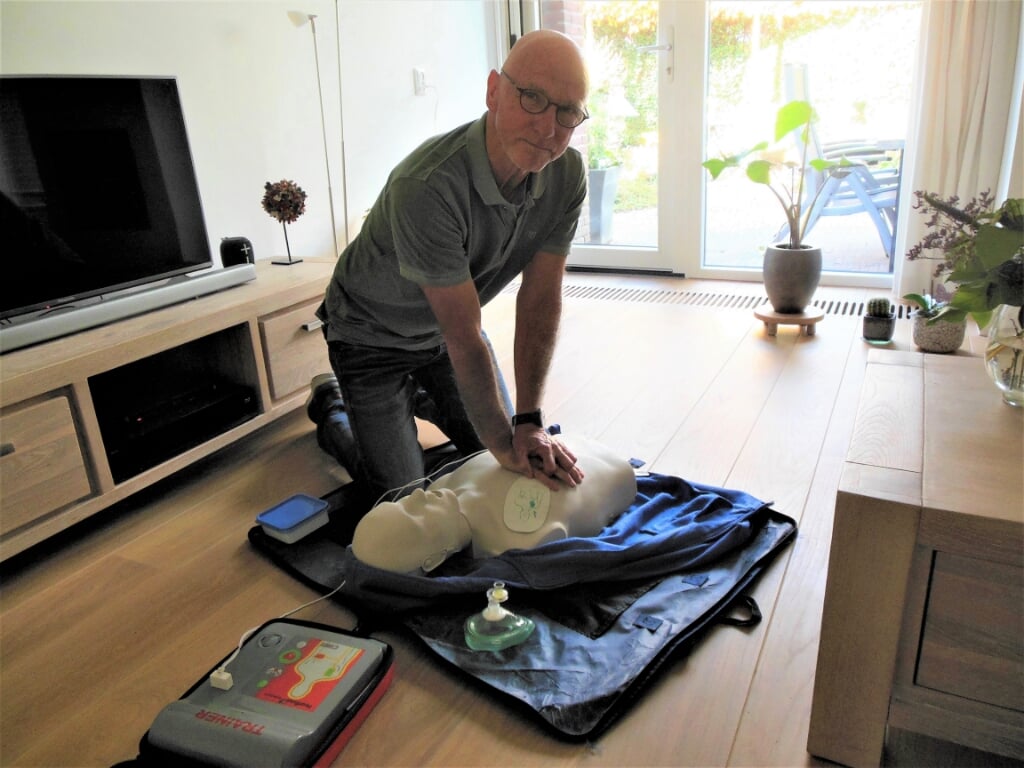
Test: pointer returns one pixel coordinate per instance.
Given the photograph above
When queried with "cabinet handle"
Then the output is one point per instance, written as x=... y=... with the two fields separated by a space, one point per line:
x=6 y=448
x=313 y=325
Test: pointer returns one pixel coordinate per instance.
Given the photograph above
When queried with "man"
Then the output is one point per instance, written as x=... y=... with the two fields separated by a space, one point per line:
x=482 y=504
x=458 y=219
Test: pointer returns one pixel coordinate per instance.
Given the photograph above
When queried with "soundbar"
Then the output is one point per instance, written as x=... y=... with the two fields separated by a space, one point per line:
x=77 y=319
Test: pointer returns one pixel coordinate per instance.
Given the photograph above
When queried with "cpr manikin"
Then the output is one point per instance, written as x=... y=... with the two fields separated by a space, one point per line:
x=493 y=509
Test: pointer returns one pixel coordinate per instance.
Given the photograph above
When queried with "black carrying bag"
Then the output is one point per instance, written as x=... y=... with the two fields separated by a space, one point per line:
x=609 y=612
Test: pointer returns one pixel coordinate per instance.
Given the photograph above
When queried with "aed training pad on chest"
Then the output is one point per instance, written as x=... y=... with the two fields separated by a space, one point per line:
x=299 y=691
x=526 y=506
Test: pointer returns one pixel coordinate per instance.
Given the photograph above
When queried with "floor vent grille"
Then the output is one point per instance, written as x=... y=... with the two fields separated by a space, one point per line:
x=704 y=299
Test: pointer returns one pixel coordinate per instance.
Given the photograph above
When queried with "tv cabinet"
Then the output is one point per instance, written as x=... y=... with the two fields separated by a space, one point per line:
x=91 y=418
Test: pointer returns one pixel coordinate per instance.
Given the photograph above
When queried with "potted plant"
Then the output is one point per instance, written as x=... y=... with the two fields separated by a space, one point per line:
x=604 y=162
x=603 y=186
x=979 y=250
x=879 y=321
x=931 y=334
x=792 y=268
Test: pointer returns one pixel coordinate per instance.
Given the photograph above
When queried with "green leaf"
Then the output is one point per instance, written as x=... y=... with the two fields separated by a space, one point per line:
x=820 y=164
x=924 y=302
x=970 y=297
x=715 y=167
x=967 y=275
x=1011 y=214
x=982 y=318
x=994 y=245
x=759 y=171
x=791 y=116
x=948 y=315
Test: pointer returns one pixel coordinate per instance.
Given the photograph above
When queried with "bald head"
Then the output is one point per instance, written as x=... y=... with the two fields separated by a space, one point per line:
x=550 y=52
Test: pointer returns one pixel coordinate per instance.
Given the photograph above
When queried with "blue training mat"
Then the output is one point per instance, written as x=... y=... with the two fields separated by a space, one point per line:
x=609 y=610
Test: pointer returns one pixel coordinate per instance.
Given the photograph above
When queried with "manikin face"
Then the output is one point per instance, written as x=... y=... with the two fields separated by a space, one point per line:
x=420 y=530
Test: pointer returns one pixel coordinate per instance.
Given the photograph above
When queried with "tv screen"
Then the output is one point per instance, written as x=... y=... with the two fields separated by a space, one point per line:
x=97 y=189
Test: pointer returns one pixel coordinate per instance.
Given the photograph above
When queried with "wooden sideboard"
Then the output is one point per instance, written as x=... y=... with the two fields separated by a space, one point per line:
x=62 y=402
x=923 y=620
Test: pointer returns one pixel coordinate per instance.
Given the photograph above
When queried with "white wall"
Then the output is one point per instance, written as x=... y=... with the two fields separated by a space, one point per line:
x=247 y=76
x=382 y=40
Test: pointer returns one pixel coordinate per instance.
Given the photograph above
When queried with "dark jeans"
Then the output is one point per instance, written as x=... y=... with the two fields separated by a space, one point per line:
x=383 y=389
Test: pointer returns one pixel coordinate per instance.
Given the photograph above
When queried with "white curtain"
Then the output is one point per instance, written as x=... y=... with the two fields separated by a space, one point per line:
x=966 y=135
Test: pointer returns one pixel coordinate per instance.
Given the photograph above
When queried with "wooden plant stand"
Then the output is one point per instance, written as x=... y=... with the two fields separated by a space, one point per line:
x=806 y=319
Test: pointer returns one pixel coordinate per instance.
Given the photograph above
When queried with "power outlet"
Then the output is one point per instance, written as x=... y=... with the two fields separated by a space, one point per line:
x=419 y=81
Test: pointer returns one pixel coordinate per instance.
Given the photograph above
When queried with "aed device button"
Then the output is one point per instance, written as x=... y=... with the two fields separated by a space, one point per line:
x=269 y=641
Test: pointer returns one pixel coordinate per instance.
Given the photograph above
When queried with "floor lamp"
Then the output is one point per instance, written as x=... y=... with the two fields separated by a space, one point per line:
x=300 y=19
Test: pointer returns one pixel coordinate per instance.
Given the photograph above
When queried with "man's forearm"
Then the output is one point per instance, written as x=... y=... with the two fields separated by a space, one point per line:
x=478 y=386
x=537 y=319
x=457 y=309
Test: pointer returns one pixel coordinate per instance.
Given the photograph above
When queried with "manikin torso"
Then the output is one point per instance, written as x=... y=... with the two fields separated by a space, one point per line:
x=493 y=509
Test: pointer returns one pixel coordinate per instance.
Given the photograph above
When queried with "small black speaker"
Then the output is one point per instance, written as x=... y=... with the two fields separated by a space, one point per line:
x=236 y=250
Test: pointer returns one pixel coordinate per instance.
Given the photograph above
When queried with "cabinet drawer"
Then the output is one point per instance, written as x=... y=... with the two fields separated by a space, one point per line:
x=42 y=468
x=972 y=641
x=294 y=347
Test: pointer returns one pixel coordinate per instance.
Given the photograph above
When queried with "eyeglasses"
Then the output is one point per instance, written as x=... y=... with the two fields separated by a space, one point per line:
x=536 y=102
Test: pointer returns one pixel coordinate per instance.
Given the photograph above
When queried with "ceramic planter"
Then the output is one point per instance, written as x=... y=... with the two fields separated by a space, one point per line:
x=791 y=276
x=603 y=185
x=942 y=337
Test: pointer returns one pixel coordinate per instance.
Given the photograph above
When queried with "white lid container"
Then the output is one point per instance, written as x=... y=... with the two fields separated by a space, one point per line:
x=294 y=518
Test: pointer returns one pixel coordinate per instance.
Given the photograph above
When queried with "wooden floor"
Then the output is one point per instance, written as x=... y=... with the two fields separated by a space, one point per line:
x=102 y=628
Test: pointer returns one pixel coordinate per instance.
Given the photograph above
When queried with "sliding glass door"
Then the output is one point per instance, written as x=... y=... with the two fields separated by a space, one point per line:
x=634 y=59
x=838 y=56
x=676 y=81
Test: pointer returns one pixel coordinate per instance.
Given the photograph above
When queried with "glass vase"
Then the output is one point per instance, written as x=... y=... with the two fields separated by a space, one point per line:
x=1004 y=355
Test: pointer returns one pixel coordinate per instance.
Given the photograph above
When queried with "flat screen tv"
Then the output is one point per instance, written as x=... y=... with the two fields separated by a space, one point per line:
x=97 y=188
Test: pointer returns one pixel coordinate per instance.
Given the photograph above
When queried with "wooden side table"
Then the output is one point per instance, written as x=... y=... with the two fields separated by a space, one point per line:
x=923 y=620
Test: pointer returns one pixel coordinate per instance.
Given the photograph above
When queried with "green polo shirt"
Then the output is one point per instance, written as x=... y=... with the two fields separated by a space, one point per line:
x=440 y=220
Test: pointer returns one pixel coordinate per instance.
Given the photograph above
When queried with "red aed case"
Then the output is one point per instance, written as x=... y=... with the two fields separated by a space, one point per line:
x=299 y=691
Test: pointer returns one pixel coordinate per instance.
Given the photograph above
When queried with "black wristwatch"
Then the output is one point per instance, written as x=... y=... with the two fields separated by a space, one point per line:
x=530 y=417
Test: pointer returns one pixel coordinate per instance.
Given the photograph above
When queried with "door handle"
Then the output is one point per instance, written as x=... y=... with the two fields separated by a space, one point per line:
x=667 y=48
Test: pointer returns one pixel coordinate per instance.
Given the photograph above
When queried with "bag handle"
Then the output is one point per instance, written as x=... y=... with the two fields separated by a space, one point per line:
x=752 y=616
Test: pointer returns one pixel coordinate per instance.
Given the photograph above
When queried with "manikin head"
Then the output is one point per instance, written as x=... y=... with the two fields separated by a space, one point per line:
x=420 y=530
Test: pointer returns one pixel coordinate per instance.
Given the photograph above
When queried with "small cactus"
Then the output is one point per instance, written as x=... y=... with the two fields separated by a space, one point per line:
x=879 y=307
x=879 y=321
